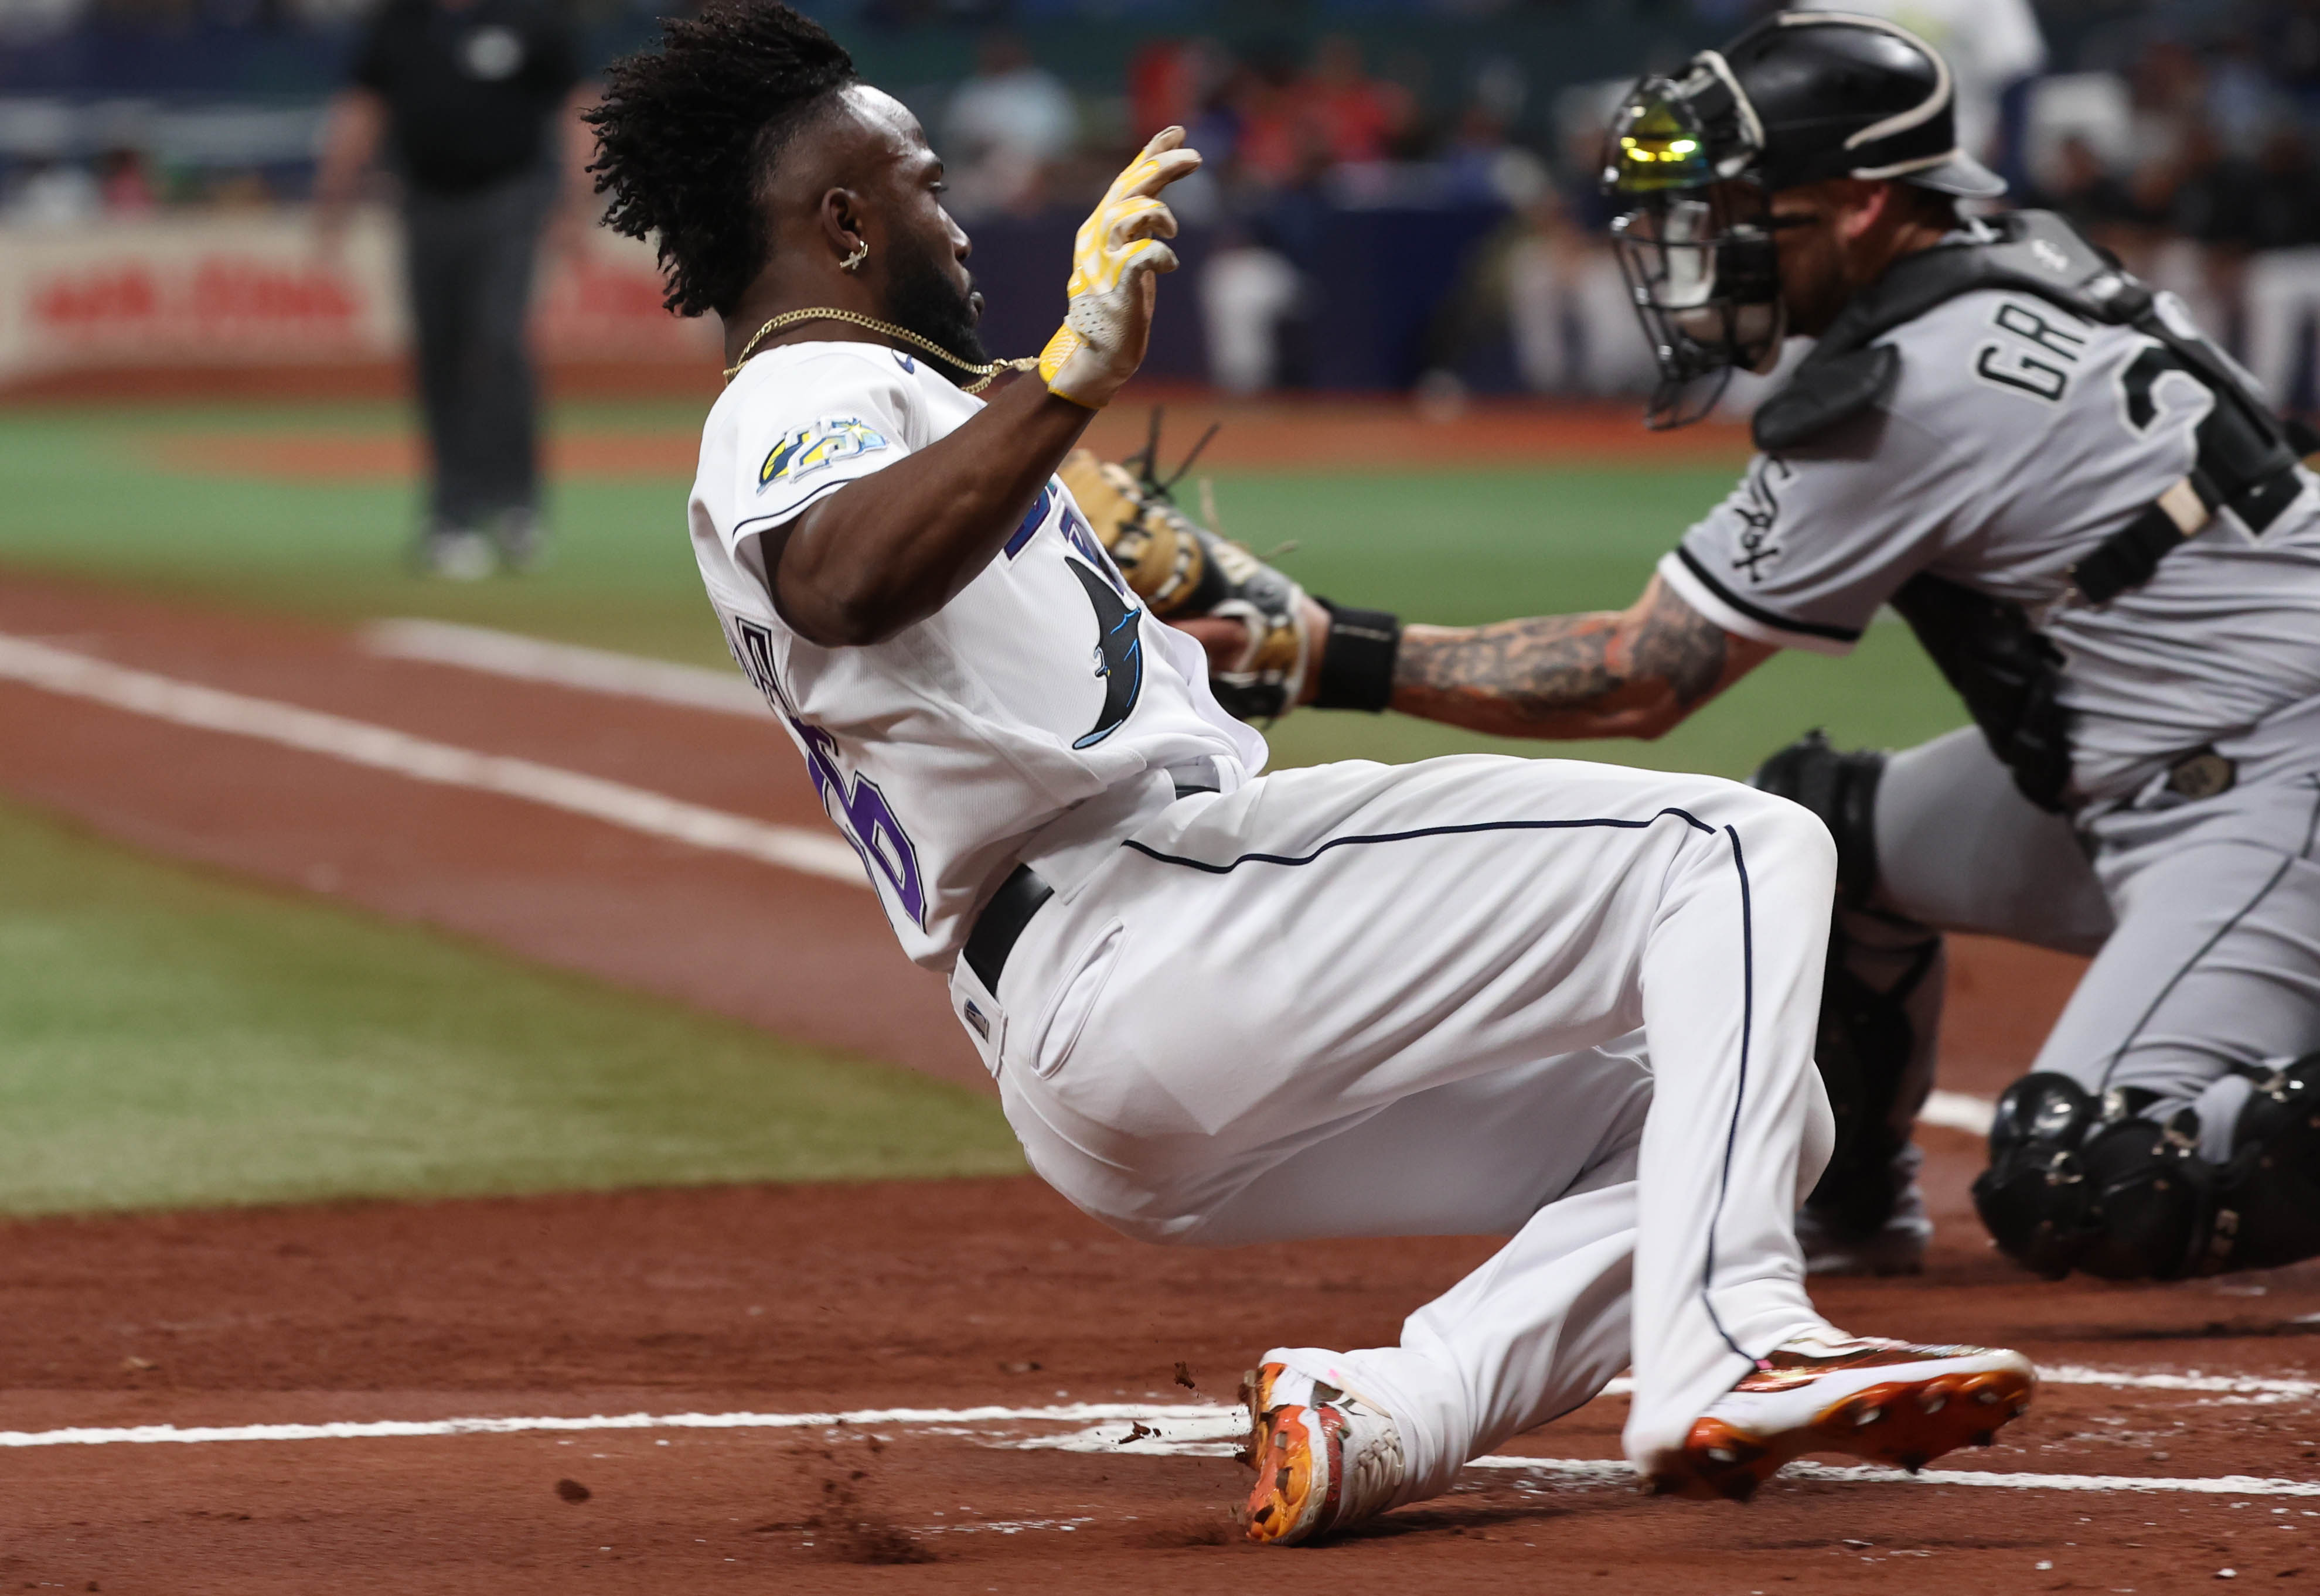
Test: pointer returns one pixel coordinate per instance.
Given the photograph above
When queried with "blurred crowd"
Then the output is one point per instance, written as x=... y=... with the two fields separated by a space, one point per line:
x=2181 y=133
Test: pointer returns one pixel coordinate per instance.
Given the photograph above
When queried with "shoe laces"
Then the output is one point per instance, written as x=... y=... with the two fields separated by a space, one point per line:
x=1370 y=1459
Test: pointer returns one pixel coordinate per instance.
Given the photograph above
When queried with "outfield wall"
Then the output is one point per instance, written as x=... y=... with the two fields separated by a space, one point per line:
x=225 y=292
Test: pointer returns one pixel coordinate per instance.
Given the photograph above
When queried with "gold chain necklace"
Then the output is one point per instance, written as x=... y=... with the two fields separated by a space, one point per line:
x=829 y=313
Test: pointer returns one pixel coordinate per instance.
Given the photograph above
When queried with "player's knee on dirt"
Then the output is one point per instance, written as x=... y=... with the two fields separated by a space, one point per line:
x=1866 y=1036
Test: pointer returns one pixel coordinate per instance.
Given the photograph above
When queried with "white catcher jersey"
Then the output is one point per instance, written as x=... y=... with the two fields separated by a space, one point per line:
x=2017 y=438
x=939 y=751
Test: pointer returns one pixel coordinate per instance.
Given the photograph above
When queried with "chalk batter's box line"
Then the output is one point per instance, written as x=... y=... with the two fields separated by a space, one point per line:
x=1208 y=1421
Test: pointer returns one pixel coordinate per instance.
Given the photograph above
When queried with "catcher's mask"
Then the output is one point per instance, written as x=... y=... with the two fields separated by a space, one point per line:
x=1799 y=98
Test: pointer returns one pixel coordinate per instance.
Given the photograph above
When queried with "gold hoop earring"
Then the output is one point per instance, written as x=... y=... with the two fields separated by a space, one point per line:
x=861 y=253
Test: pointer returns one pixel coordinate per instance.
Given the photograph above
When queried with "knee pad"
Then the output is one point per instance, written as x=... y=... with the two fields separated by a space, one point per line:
x=2034 y=1198
x=2267 y=1194
x=1842 y=790
x=2153 y=1199
x=2078 y=1183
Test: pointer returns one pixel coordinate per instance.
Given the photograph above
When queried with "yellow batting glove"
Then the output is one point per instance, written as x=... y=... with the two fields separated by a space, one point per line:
x=1109 y=320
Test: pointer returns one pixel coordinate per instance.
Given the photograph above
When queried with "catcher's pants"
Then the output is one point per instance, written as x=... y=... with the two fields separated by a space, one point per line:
x=2203 y=915
x=1364 y=1000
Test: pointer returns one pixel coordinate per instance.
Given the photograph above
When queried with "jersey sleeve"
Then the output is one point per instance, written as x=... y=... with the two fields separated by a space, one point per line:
x=1804 y=550
x=820 y=424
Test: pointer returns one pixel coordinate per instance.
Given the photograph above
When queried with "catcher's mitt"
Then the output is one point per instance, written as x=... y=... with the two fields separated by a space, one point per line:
x=1181 y=569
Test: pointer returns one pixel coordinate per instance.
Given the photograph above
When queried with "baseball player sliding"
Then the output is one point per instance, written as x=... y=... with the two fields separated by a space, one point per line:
x=2102 y=535
x=1568 y=1004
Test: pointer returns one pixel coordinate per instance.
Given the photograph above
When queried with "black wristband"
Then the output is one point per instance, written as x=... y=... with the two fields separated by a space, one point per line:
x=1357 y=665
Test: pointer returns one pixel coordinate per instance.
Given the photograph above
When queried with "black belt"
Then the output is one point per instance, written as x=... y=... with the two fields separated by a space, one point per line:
x=1002 y=922
x=1019 y=897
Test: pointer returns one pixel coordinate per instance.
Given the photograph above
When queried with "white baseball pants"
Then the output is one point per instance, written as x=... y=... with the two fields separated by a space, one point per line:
x=1364 y=1000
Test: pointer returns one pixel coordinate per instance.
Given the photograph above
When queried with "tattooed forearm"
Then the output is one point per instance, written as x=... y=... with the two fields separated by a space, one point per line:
x=1681 y=647
x=1632 y=673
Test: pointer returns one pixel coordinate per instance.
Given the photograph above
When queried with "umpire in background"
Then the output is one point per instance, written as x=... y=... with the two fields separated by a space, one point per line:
x=478 y=103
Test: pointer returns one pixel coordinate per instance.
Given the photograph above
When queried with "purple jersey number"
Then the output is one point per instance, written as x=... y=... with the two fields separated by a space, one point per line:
x=859 y=809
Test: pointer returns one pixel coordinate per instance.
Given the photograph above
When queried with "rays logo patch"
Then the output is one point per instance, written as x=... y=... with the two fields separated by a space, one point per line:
x=810 y=449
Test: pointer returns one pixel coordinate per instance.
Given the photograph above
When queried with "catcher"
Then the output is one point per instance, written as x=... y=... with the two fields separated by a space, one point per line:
x=2100 y=533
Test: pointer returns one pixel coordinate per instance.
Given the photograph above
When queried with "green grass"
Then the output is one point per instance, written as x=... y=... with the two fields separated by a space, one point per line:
x=1454 y=546
x=172 y=1039
x=88 y=495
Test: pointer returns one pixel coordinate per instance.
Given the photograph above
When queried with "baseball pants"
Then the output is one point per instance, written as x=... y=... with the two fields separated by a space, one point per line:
x=469 y=259
x=1571 y=1004
x=2203 y=916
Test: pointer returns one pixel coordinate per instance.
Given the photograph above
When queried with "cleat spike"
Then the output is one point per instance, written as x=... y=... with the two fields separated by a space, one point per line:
x=1884 y=1401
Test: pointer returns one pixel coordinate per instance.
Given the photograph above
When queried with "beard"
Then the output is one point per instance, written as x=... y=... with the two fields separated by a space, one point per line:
x=922 y=296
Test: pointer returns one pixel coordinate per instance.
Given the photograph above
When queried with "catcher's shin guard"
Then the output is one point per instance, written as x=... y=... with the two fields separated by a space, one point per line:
x=2078 y=1183
x=1880 y=998
x=2268 y=1193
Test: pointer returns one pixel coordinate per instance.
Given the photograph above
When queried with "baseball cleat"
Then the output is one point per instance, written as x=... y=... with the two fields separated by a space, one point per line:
x=1883 y=1401
x=1324 y=1457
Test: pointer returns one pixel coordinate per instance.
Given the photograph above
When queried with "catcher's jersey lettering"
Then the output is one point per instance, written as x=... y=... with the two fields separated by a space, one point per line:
x=942 y=752
x=1757 y=510
x=2039 y=370
x=2139 y=394
x=2016 y=439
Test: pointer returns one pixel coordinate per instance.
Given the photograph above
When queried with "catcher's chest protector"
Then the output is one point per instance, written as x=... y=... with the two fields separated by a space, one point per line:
x=1996 y=657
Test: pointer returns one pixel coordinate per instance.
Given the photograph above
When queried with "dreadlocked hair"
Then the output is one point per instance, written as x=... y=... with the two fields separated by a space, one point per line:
x=687 y=134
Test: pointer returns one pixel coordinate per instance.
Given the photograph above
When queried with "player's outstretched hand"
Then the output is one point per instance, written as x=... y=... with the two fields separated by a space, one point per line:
x=1260 y=629
x=1109 y=320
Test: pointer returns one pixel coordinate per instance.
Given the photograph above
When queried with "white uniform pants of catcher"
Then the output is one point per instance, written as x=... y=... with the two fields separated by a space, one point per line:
x=1363 y=1000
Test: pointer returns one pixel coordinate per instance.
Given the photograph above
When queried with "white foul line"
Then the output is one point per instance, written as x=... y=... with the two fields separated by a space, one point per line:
x=1597 y=1470
x=564 y=664
x=1198 y=1429
x=146 y=1434
x=1958 y=1111
x=359 y=742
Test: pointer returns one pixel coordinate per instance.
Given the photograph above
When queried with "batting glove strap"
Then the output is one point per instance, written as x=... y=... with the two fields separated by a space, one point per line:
x=1357 y=665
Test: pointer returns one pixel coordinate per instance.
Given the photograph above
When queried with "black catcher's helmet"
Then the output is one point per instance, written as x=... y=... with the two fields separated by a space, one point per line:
x=1801 y=97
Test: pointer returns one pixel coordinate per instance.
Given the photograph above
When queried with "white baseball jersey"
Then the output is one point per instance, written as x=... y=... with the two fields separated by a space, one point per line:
x=2017 y=438
x=939 y=751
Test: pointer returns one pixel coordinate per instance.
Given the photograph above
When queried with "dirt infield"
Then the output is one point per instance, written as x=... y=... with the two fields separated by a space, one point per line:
x=780 y=1302
x=1331 y=434
x=768 y=1313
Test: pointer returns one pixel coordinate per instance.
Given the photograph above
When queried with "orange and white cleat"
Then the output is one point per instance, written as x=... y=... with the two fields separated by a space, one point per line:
x=1884 y=1401
x=1325 y=1458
